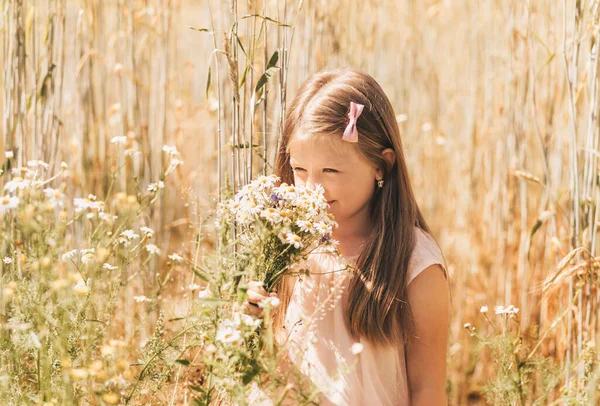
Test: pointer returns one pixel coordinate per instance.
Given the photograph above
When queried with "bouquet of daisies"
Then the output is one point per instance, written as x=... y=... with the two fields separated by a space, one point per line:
x=275 y=227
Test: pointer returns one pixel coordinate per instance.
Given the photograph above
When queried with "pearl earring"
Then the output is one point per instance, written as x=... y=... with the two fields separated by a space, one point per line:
x=380 y=183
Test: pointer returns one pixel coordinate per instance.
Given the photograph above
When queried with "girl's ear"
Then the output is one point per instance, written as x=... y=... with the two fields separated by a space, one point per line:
x=390 y=157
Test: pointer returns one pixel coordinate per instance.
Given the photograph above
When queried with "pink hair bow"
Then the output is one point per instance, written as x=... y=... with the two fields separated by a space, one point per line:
x=351 y=133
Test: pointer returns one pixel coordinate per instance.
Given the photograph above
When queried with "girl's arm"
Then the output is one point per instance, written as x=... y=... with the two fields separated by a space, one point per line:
x=426 y=350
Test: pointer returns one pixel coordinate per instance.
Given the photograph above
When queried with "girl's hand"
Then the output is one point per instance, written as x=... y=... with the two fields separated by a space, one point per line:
x=256 y=294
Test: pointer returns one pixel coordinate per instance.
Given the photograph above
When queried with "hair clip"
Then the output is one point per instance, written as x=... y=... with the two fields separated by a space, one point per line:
x=351 y=133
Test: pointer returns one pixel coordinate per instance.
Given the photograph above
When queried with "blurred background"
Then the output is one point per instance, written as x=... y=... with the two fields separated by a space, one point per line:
x=497 y=102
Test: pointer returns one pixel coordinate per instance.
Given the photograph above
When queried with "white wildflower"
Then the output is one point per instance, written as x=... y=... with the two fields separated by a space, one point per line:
x=483 y=309
x=228 y=333
x=16 y=183
x=288 y=237
x=38 y=164
x=175 y=257
x=204 y=293
x=109 y=218
x=510 y=310
x=69 y=255
x=120 y=140
x=55 y=197
x=153 y=249
x=7 y=260
x=193 y=286
x=81 y=289
x=170 y=150
x=9 y=155
x=109 y=266
x=8 y=203
x=154 y=187
x=141 y=299
x=87 y=256
x=305 y=226
x=130 y=234
x=82 y=204
x=147 y=231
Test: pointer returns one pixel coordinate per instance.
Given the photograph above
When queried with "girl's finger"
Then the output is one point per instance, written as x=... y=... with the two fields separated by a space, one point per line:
x=257 y=287
x=254 y=297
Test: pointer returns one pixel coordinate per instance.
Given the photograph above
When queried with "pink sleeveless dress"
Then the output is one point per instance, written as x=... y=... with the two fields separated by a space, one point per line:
x=321 y=347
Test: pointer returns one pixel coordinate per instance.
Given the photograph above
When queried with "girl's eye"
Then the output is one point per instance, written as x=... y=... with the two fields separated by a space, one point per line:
x=329 y=170
x=297 y=169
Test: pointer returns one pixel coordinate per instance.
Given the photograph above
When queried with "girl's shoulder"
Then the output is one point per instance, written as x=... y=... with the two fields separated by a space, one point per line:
x=425 y=253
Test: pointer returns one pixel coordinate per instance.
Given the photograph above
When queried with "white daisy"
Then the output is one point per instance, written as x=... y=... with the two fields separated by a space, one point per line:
x=175 y=257
x=153 y=249
x=8 y=203
x=130 y=234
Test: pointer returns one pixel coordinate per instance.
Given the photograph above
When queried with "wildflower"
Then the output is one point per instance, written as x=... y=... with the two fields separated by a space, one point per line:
x=64 y=166
x=175 y=257
x=38 y=164
x=228 y=333
x=130 y=235
x=210 y=349
x=289 y=237
x=141 y=299
x=15 y=184
x=147 y=231
x=130 y=152
x=193 y=286
x=271 y=215
x=483 y=309
x=109 y=218
x=357 y=348
x=55 y=197
x=109 y=266
x=81 y=289
x=170 y=150
x=467 y=325
x=69 y=255
x=82 y=204
x=7 y=260
x=204 y=293
x=120 y=140
x=305 y=226
x=9 y=155
x=8 y=203
x=154 y=187
x=88 y=257
x=510 y=310
x=153 y=249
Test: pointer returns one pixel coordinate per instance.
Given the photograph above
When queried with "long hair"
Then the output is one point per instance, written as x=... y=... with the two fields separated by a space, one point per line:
x=376 y=307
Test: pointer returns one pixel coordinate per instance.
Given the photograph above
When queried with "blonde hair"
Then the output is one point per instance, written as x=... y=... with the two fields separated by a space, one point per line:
x=377 y=307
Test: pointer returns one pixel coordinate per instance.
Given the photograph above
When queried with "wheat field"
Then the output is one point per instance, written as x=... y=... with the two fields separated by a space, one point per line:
x=497 y=102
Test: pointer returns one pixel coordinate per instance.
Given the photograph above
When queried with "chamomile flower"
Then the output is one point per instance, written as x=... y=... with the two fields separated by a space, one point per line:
x=175 y=257
x=120 y=140
x=228 y=333
x=55 y=197
x=109 y=267
x=8 y=203
x=147 y=231
x=130 y=235
x=16 y=184
x=154 y=187
x=153 y=249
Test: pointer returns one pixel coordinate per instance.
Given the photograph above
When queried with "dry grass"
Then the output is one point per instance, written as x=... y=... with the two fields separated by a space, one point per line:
x=497 y=102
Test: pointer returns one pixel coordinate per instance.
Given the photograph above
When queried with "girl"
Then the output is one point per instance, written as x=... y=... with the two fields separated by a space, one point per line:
x=384 y=342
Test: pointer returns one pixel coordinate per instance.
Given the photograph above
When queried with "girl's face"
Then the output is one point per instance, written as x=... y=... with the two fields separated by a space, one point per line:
x=347 y=177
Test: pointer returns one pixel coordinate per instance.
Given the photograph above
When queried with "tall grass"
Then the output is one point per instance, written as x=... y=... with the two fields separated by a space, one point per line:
x=497 y=103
